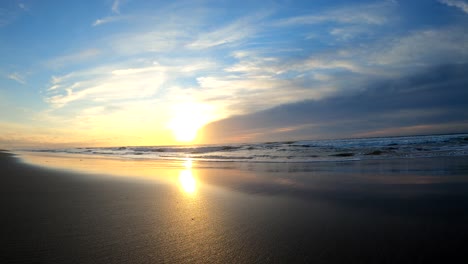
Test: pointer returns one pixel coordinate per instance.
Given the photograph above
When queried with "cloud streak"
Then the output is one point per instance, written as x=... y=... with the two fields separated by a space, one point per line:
x=463 y=6
x=368 y=14
x=425 y=47
x=116 y=7
x=17 y=77
x=106 y=20
x=74 y=58
x=228 y=35
x=119 y=84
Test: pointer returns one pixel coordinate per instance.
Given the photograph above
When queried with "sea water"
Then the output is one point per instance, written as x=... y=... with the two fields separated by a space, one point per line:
x=292 y=151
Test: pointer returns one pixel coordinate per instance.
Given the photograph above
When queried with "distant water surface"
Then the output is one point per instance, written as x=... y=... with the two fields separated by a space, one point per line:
x=293 y=151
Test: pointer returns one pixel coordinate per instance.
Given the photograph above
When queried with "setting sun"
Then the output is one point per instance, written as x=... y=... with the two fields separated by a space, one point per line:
x=188 y=119
x=184 y=130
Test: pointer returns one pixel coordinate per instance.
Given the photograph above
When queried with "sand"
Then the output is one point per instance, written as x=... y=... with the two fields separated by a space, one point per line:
x=383 y=211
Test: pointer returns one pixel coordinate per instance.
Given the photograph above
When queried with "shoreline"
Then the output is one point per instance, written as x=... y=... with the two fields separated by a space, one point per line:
x=287 y=152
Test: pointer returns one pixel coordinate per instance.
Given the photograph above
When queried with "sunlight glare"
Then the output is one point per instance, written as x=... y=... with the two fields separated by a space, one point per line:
x=188 y=163
x=187 y=119
x=184 y=130
x=187 y=181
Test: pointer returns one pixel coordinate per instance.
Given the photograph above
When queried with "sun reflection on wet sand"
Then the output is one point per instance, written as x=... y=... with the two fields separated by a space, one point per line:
x=187 y=181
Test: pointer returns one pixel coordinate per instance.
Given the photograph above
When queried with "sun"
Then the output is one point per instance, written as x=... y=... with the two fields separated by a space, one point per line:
x=187 y=120
x=184 y=130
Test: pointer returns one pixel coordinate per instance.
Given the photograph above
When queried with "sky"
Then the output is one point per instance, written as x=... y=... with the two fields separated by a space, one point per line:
x=129 y=72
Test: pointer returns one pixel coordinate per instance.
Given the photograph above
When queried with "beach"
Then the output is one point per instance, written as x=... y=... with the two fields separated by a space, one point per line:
x=185 y=131
x=64 y=209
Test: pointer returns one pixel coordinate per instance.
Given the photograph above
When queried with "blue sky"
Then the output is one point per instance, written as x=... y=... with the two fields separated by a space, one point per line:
x=126 y=72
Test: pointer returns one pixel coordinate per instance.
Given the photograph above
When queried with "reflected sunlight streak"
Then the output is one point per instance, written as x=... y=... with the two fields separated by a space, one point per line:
x=188 y=163
x=187 y=181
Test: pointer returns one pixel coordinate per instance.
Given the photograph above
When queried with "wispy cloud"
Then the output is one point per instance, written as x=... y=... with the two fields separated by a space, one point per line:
x=17 y=77
x=122 y=84
x=424 y=48
x=373 y=14
x=23 y=6
x=118 y=83
x=313 y=67
x=77 y=57
x=113 y=18
x=456 y=3
x=151 y=41
x=106 y=20
x=234 y=32
x=116 y=7
x=348 y=33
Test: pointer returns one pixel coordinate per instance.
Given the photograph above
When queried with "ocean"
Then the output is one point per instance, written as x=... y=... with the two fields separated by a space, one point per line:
x=291 y=151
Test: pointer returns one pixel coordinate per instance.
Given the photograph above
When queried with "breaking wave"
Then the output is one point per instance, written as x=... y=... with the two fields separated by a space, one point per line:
x=294 y=151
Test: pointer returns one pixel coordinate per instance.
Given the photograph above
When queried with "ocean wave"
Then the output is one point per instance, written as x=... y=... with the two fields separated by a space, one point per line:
x=294 y=151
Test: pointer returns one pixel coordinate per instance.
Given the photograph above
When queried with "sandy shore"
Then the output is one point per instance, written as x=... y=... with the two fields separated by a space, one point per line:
x=397 y=211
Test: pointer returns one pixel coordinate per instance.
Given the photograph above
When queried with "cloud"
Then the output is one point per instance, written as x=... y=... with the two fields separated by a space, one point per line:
x=144 y=42
x=434 y=100
x=164 y=30
x=348 y=33
x=455 y=3
x=120 y=84
x=234 y=32
x=370 y=14
x=106 y=20
x=116 y=83
x=424 y=48
x=272 y=67
x=318 y=64
x=113 y=18
x=232 y=95
x=22 y=6
x=116 y=6
x=74 y=58
x=17 y=77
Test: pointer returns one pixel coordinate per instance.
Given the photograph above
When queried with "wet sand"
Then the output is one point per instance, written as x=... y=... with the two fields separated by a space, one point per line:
x=381 y=211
